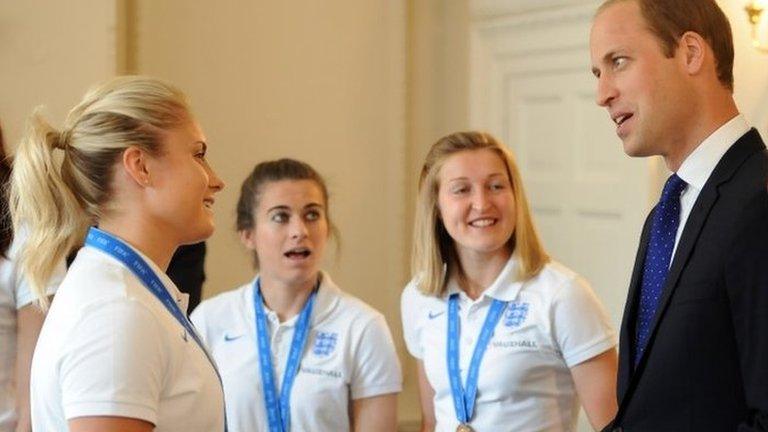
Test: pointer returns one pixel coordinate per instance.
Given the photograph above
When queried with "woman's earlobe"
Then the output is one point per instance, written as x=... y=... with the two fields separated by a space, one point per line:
x=135 y=164
x=247 y=239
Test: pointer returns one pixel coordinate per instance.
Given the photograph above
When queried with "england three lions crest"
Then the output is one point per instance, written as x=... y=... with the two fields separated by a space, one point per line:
x=325 y=343
x=516 y=314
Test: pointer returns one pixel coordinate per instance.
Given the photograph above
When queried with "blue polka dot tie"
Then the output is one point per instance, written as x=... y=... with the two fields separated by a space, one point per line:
x=666 y=219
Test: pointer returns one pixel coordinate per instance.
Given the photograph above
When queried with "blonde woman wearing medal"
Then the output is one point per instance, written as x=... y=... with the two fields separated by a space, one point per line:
x=296 y=353
x=505 y=338
x=116 y=352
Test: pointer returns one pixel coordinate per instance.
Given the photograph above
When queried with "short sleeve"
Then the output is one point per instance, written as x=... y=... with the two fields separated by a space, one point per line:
x=581 y=327
x=409 y=311
x=114 y=362
x=377 y=368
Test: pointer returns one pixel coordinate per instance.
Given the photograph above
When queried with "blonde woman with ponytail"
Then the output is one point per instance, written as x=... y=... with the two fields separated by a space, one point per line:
x=126 y=175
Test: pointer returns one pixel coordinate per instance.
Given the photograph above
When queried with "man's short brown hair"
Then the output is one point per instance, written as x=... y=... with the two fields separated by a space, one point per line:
x=669 y=19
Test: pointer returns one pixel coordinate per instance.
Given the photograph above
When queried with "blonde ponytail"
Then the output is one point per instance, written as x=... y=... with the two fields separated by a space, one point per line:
x=43 y=205
x=54 y=198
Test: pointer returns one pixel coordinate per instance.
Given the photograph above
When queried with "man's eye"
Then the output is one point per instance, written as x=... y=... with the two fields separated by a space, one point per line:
x=619 y=62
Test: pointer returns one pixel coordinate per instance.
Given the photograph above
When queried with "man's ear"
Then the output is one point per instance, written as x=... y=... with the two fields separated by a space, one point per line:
x=135 y=164
x=694 y=50
x=248 y=238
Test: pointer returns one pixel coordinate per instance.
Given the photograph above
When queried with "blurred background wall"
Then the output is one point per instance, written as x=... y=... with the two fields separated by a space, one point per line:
x=359 y=89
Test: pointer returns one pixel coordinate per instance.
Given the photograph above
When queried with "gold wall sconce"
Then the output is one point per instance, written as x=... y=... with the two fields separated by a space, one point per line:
x=755 y=9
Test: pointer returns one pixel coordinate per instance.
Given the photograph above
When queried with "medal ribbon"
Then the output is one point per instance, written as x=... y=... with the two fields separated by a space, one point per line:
x=279 y=412
x=464 y=401
x=117 y=249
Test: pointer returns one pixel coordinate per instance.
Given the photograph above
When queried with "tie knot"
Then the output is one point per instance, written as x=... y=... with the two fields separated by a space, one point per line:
x=673 y=188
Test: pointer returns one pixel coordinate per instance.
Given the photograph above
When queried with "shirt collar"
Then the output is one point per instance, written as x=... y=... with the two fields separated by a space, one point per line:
x=505 y=288
x=698 y=166
x=327 y=298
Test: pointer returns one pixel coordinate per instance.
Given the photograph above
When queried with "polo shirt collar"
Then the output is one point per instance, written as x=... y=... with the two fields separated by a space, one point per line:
x=182 y=299
x=327 y=298
x=505 y=287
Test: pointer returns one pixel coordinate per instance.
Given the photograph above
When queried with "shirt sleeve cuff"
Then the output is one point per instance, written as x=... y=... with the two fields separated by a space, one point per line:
x=116 y=409
x=588 y=351
x=376 y=390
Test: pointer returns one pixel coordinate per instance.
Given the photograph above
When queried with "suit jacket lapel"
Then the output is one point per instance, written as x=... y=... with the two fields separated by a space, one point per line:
x=627 y=336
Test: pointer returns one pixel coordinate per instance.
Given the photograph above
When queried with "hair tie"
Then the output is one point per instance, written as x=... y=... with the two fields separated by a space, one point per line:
x=61 y=140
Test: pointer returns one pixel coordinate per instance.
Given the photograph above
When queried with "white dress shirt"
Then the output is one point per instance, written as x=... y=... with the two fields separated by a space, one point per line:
x=698 y=166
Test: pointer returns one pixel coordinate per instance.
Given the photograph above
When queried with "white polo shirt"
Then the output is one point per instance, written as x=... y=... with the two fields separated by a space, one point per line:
x=14 y=294
x=349 y=355
x=552 y=323
x=110 y=348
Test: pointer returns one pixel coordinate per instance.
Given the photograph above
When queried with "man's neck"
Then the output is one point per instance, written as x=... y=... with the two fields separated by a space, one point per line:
x=706 y=121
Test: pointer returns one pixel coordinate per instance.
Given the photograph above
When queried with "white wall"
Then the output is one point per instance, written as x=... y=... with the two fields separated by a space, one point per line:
x=52 y=52
x=750 y=66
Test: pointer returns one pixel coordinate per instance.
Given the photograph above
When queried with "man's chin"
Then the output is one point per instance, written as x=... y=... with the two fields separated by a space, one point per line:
x=634 y=149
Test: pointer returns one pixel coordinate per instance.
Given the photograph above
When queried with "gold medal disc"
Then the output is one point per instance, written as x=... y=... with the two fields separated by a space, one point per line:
x=464 y=428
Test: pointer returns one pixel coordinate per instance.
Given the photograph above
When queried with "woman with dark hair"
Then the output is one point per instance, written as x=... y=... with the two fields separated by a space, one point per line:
x=296 y=353
x=20 y=318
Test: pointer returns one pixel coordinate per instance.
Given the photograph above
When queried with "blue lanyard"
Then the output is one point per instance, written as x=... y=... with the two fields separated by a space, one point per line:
x=464 y=401
x=117 y=249
x=279 y=413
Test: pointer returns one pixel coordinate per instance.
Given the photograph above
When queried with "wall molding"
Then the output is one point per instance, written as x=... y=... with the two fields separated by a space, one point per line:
x=491 y=10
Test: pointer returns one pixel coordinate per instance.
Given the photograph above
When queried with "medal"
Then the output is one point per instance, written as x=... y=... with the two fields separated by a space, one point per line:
x=464 y=428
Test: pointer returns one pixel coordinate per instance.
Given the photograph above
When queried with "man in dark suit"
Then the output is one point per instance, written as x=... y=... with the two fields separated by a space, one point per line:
x=694 y=337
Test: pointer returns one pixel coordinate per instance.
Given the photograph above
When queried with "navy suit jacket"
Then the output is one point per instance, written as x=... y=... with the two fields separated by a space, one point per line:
x=705 y=367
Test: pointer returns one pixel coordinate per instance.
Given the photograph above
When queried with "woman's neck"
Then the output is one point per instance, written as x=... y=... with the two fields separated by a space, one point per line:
x=144 y=237
x=479 y=270
x=286 y=298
